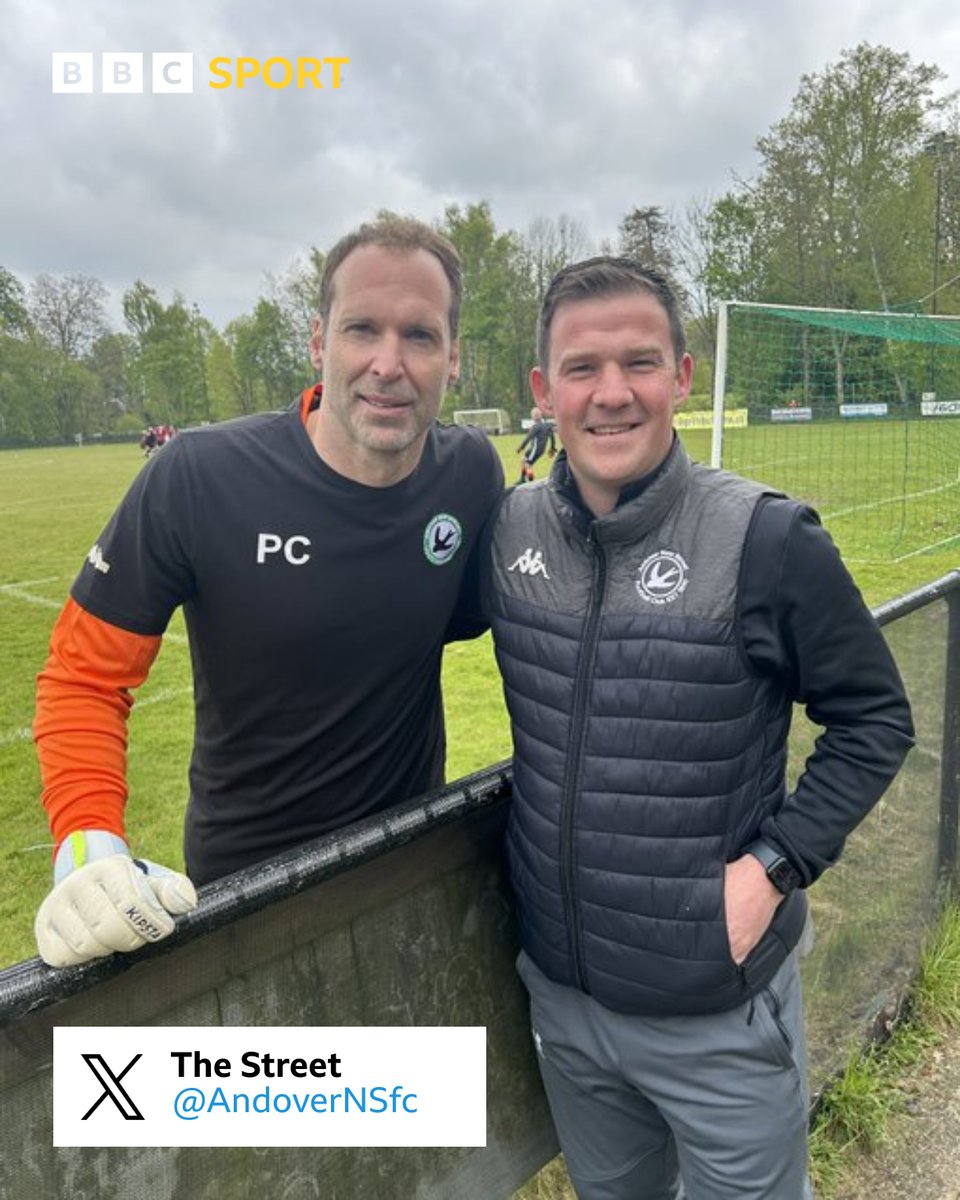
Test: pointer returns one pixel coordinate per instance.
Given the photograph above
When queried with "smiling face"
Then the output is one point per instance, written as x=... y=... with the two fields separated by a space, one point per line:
x=612 y=385
x=387 y=355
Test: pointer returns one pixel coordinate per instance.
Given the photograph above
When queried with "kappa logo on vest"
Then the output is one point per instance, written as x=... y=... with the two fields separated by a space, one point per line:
x=530 y=562
x=662 y=577
x=441 y=538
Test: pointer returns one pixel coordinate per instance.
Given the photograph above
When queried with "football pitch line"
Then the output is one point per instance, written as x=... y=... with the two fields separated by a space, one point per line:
x=24 y=733
x=14 y=736
x=871 y=504
x=954 y=537
x=18 y=591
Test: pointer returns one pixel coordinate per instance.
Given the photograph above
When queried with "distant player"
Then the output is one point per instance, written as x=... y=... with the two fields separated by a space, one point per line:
x=534 y=444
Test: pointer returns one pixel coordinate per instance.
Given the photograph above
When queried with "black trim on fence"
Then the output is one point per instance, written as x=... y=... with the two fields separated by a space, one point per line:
x=32 y=985
x=901 y=606
x=950 y=758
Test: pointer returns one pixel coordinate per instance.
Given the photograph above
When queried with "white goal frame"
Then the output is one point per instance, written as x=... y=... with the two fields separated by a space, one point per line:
x=490 y=420
x=720 y=359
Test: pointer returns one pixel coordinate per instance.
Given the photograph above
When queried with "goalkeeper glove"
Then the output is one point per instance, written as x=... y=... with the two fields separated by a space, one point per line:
x=103 y=900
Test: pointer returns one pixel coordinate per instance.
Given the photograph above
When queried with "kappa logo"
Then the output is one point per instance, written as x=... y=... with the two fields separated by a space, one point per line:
x=442 y=538
x=662 y=577
x=97 y=561
x=530 y=562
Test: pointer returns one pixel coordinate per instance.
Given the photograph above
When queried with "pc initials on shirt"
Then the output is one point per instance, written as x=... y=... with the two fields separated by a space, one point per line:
x=292 y=548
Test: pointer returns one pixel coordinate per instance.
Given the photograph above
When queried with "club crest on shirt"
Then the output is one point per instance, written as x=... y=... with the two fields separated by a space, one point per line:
x=441 y=538
x=662 y=577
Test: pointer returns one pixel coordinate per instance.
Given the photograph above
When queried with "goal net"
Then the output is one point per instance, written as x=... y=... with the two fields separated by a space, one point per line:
x=857 y=413
x=493 y=420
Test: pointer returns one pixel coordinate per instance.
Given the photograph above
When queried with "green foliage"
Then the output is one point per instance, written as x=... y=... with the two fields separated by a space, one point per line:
x=855 y=1110
x=841 y=212
x=14 y=319
x=498 y=307
x=169 y=358
x=270 y=361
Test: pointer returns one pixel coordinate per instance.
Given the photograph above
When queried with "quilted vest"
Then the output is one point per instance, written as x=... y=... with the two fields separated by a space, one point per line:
x=646 y=750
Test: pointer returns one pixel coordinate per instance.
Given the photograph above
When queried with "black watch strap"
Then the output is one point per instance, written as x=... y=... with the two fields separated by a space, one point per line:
x=781 y=873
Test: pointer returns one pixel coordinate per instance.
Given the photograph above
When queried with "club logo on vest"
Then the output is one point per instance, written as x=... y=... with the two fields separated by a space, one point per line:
x=662 y=577
x=441 y=538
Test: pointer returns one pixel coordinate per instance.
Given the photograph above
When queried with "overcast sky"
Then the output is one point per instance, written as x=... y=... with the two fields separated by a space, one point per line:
x=541 y=107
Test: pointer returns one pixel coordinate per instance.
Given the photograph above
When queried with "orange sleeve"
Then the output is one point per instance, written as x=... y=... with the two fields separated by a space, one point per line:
x=83 y=700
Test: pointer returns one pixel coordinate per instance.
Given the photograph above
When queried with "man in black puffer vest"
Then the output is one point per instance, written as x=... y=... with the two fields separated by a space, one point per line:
x=655 y=621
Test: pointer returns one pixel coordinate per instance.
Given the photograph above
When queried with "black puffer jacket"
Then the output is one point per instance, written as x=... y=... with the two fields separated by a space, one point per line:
x=647 y=751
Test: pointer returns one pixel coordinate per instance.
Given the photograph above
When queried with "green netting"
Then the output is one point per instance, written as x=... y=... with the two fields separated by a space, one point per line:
x=898 y=327
x=857 y=413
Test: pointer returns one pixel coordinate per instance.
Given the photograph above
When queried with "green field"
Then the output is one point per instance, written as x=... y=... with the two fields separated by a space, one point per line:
x=888 y=489
x=53 y=503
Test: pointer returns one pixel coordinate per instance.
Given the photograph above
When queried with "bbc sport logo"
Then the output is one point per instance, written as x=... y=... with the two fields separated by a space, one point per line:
x=125 y=73
x=74 y=72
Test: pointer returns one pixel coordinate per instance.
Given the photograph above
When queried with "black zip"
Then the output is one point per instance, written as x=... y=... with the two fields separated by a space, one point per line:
x=571 y=786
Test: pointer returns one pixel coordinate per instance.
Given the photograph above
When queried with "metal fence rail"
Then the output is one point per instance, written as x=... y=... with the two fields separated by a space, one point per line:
x=405 y=919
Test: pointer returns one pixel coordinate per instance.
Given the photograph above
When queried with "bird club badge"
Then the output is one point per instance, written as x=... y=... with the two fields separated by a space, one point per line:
x=441 y=538
x=662 y=577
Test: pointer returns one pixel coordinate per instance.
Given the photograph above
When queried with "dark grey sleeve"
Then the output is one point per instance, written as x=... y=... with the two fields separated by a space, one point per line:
x=803 y=619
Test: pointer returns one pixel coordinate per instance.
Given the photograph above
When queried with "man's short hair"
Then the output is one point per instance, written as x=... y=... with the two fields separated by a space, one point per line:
x=599 y=278
x=404 y=235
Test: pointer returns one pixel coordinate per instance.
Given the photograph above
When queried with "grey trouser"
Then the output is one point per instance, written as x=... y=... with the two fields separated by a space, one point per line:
x=640 y=1103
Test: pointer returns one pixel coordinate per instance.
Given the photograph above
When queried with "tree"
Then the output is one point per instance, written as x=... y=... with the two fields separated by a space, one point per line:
x=14 y=318
x=833 y=172
x=486 y=375
x=170 y=360
x=646 y=234
x=297 y=293
x=69 y=311
x=223 y=381
x=270 y=358
x=112 y=358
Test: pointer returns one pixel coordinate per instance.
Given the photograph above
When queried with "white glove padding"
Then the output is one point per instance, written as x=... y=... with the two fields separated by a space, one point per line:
x=104 y=901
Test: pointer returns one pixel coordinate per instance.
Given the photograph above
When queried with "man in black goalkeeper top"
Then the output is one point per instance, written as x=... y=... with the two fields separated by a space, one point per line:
x=322 y=556
x=539 y=436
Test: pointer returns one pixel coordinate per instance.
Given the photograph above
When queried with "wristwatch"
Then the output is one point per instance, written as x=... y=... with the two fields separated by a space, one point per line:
x=780 y=872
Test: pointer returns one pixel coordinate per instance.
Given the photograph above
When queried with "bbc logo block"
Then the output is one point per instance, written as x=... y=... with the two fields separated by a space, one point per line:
x=121 y=72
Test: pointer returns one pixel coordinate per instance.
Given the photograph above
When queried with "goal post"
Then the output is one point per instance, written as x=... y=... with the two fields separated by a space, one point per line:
x=491 y=420
x=856 y=412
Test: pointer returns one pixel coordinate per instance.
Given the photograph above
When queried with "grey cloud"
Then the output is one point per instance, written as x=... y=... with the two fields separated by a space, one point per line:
x=539 y=107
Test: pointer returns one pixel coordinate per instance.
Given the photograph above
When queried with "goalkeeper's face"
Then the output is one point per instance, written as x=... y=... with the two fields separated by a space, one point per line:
x=612 y=385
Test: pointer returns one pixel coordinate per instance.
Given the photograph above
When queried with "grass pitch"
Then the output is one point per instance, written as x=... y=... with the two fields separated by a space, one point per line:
x=53 y=504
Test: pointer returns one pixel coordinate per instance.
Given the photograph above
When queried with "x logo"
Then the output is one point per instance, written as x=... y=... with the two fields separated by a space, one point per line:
x=117 y=1093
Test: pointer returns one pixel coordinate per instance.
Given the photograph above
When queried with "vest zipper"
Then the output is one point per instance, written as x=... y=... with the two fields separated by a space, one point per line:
x=571 y=788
